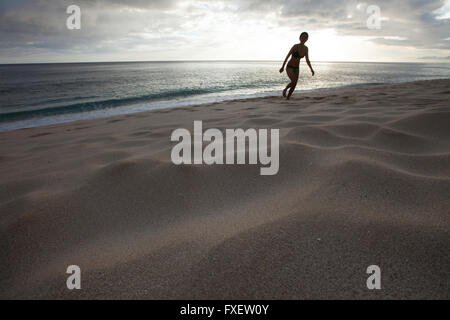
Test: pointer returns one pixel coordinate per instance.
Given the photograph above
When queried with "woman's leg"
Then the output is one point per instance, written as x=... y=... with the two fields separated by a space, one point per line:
x=293 y=75
x=285 y=89
x=289 y=72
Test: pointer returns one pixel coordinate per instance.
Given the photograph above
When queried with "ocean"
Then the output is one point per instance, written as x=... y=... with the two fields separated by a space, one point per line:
x=42 y=94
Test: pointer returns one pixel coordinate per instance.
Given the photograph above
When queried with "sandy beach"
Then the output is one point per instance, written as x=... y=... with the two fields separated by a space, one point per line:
x=364 y=179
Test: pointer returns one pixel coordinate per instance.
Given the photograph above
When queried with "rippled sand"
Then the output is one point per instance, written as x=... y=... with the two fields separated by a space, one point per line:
x=364 y=179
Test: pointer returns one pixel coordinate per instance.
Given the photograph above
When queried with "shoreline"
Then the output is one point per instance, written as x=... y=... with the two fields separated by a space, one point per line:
x=188 y=104
x=363 y=179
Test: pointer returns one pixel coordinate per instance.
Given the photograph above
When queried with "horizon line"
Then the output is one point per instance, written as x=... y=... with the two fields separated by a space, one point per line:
x=232 y=60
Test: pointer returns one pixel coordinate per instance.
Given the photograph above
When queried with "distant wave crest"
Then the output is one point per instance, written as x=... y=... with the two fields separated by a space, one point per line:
x=103 y=104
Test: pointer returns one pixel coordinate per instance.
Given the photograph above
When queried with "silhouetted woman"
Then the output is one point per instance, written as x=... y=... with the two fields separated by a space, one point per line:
x=298 y=51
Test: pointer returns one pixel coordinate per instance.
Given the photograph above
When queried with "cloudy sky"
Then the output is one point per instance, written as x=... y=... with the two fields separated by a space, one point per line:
x=114 y=30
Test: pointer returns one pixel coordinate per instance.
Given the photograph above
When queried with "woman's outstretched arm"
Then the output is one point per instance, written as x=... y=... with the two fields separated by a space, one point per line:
x=285 y=60
x=309 y=62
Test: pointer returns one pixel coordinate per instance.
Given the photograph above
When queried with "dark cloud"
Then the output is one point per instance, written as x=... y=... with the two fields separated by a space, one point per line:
x=123 y=25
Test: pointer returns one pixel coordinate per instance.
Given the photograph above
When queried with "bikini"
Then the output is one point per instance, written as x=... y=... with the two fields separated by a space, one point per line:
x=297 y=56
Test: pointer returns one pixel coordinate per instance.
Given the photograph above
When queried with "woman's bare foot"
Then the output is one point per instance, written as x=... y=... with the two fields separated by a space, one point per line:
x=284 y=92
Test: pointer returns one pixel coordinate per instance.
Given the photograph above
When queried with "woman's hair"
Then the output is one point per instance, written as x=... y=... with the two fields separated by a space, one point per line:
x=304 y=34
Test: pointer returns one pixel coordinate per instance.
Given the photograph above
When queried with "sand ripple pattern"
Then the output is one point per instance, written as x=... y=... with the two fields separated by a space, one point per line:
x=364 y=179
